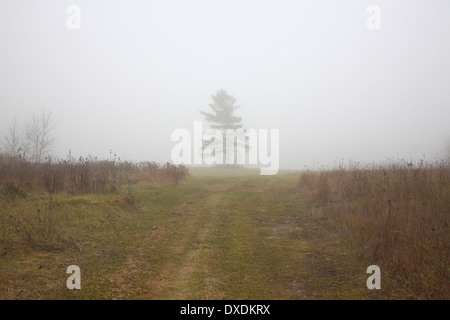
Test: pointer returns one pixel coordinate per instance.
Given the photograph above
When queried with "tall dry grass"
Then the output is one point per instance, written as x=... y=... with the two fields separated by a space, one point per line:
x=81 y=176
x=30 y=219
x=395 y=215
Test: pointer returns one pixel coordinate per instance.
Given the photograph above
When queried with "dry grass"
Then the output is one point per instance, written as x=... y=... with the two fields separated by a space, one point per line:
x=395 y=216
x=81 y=176
x=31 y=216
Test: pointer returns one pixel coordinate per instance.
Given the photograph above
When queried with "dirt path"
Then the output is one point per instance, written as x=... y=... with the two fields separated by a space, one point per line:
x=212 y=237
x=238 y=240
x=235 y=240
x=176 y=280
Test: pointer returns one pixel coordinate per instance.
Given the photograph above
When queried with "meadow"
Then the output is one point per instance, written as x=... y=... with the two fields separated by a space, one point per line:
x=149 y=231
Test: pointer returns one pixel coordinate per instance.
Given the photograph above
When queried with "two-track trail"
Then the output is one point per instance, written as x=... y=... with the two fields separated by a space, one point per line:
x=213 y=236
x=232 y=239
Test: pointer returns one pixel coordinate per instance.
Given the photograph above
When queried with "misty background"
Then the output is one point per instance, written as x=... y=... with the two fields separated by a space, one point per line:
x=138 y=70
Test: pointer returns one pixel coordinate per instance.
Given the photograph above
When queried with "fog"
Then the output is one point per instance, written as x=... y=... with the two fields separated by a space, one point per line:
x=138 y=70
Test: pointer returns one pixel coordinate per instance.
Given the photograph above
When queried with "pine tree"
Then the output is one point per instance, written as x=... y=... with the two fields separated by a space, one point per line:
x=222 y=117
x=223 y=106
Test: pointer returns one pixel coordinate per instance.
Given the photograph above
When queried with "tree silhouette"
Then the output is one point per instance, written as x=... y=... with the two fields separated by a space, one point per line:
x=38 y=135
x=223 y=107
x=13 y=139
x=33 y=141
x=222 y=117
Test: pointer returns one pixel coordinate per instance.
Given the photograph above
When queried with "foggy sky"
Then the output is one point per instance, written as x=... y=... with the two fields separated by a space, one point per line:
x=138 y=70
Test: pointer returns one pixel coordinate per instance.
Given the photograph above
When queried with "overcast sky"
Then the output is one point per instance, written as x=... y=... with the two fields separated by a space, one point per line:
x=138 y=70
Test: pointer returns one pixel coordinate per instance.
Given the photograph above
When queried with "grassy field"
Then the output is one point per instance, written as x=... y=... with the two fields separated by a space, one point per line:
x=229 y=234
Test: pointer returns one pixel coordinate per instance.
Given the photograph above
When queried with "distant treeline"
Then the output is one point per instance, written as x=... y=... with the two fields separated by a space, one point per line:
x=83 y=175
